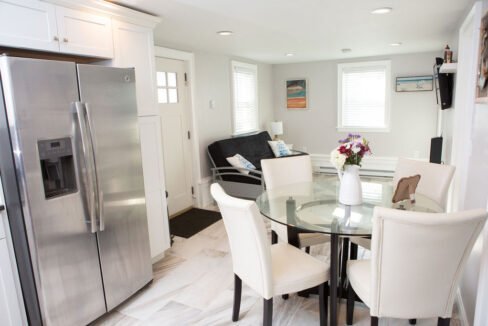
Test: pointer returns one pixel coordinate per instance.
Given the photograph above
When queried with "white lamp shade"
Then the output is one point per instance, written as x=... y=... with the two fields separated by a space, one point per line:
x=277 y=128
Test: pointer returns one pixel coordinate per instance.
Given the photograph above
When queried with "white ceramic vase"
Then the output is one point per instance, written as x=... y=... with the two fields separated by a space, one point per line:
x=350 y=192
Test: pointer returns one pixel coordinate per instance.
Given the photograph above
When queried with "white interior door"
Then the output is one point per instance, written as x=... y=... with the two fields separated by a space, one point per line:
x=173 y=107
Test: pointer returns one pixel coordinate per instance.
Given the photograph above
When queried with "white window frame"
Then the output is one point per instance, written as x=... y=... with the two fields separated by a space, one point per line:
x=253 y=68
x=344 y=66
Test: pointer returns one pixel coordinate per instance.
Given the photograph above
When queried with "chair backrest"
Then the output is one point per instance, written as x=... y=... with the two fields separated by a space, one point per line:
x=435 y=179
x=286 y=170
x=417 y=260
x=250 y=249
x=283 y=171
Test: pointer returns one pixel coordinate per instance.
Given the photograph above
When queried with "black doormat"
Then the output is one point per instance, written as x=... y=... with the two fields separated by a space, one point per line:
x=192 y=222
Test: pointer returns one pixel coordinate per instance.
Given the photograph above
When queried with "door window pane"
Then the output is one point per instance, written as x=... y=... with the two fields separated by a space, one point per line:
x=161 y=78
x=171 y=79
x=162 y=95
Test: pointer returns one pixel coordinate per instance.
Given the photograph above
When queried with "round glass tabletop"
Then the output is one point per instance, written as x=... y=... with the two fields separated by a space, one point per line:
x=314 y=206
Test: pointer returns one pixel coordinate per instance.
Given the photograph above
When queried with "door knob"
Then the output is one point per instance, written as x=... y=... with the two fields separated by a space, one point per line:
x=65 y=40
x=56 y=38
x=2 y=208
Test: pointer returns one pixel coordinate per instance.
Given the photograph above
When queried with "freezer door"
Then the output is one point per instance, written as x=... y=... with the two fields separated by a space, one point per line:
x=38 y=97
x=109 y=98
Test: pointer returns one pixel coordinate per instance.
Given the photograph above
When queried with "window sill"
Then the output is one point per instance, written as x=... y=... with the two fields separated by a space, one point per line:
x=364 y=130
x=247 y=133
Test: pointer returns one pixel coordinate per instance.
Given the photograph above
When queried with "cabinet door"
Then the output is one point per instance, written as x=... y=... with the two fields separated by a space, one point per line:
x=134 y=47
x=154 y=185
x=82 y=33
x=10 y=313
x=28 y=24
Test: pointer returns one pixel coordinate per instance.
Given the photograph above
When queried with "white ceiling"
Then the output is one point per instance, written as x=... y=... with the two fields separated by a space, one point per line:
x=264 y=30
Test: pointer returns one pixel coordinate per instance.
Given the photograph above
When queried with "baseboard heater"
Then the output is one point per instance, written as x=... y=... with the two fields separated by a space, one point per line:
x=362 y=171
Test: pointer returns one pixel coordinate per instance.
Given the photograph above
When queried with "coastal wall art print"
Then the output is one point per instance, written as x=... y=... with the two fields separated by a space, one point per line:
x=414 y=84
x=296 y=94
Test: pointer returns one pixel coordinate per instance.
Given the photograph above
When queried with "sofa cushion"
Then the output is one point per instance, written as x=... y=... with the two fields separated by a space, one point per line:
x=240 y=162
x=253 y=147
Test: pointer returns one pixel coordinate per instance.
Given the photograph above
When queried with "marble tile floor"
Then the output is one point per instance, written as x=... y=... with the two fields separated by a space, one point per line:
x=193 y=285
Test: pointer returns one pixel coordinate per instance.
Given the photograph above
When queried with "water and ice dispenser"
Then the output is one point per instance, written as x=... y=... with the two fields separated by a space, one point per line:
x=57 y=165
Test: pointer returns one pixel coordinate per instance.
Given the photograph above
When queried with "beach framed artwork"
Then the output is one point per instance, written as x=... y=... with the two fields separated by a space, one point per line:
x=415 y=84
x=296 y=94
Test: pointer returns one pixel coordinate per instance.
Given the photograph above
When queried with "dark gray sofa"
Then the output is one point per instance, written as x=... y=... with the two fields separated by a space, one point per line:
x=254 y=148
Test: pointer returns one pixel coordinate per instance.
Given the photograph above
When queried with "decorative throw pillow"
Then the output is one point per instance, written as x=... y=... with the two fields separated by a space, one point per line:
x=279 y=148
x=239 y=162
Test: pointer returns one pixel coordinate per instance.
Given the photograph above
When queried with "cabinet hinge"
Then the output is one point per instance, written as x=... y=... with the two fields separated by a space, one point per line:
x=192 y=191
x=186 y=79
x=189 y=134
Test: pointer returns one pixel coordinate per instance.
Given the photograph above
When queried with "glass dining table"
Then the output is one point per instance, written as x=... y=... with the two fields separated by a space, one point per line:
x=313 y=207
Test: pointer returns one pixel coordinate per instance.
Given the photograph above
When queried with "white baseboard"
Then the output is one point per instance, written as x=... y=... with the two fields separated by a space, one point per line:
x=204 y=197
x=157 y=258
x=463 y=317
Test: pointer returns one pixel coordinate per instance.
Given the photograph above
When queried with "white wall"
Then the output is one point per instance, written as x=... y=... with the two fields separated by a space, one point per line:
x=213 y=82
x=413 y=115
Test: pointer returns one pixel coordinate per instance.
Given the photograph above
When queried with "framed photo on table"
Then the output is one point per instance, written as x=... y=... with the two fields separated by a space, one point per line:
x=296 y=94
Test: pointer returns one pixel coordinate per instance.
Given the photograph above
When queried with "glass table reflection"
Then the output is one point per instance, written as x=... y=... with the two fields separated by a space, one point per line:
x=314 y=207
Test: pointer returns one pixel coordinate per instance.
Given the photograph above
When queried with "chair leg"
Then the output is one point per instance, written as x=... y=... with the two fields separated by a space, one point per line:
x=274 y=237
x=412 y=321
x=268 y=312
x=443 y=321
x=374 y=321
x=323 y=304
x=285 y=296
x=307 y=250
x=351 y=295
x=237 y=297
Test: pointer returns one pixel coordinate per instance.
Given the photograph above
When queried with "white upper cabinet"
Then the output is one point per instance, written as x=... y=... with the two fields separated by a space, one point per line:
x=134 y=47
x=83 y=33
x=39 y=25
x=28 y=24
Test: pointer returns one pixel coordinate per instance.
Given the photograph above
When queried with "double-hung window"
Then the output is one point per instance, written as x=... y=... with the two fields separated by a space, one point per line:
x=364 y=96
x=245 y=97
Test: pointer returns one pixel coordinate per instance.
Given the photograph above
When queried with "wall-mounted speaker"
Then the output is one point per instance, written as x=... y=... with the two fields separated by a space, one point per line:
x=436 y=150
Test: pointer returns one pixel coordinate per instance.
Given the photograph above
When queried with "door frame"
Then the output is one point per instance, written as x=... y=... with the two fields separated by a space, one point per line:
x=189 y=59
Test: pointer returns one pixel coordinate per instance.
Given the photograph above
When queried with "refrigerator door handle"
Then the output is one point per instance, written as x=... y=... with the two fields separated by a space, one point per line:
x=99 y=193
x=88 y=175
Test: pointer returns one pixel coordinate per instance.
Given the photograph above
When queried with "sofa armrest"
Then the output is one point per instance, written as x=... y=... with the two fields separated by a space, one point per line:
x=227 y=170
x=295 y=152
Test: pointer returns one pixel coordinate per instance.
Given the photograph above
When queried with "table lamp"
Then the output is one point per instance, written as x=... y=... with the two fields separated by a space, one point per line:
x=277 y=129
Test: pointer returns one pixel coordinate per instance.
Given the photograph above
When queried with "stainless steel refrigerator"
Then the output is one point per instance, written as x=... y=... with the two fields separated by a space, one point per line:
x=71 y=167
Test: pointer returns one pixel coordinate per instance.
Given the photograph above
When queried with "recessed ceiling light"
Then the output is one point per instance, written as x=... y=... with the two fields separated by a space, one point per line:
x=381 y=11
x=225 y=33
x=289 y=54
x=396 y=44
x=346 y=50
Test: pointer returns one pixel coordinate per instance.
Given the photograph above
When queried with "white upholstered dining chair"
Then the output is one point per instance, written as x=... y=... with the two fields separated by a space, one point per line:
x=434 y=183
x=285 y=171
x=270 y=270
x=416 y=263
x=435 y=179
